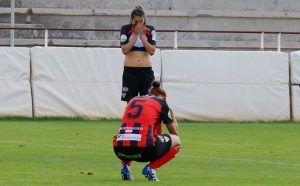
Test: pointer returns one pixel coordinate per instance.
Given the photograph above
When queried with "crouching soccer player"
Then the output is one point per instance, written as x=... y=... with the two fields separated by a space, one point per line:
x=140 y=137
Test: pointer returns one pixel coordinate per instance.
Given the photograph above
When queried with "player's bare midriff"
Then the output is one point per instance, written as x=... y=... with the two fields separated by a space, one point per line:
x=137 y=59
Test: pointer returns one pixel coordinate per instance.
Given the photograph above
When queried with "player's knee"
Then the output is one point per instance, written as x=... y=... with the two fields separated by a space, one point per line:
x=175 y=141
x=178 y=142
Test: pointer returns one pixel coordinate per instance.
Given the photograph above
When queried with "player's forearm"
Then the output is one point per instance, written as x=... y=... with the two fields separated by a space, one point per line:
x=150 y=48
x=127 y=47
x=174 y=122
x=172 y=129
x=175 y=126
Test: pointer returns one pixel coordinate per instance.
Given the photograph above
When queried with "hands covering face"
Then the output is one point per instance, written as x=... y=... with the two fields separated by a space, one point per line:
x=139 y=26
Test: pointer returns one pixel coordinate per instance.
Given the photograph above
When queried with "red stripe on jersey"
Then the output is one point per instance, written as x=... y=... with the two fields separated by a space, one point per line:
x=135 y=130
x=126 y=143
x=158 y=128
x=115 y=141
x=128 y=130
x=147 y=32
x=131 y=30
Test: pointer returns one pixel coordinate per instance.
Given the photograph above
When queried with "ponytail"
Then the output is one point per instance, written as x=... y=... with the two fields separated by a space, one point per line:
x=156 y=90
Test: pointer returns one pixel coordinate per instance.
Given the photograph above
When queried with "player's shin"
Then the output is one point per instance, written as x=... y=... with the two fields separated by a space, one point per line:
x=165 y=158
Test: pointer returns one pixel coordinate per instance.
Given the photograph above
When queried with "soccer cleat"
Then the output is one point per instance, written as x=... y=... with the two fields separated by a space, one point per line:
x=125 y=173
x=150 y=173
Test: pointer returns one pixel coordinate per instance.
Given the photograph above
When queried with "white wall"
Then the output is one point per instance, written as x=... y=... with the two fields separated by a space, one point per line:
x=225 y=85
x=79 y=82
x=15 y=92
x=201 y=85
x=295 y=81
x=296 y=102
x=295 y=67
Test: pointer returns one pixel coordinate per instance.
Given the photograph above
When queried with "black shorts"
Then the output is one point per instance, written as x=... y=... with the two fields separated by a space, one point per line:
x=145 y=154
x=136 y=81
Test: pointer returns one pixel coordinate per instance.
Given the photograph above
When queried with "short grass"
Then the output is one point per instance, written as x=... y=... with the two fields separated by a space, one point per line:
x=78 y=152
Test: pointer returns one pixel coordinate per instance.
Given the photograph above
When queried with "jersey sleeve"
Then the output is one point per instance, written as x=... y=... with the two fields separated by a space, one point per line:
x=124 y=39
x=165 y=114
x=152 y=38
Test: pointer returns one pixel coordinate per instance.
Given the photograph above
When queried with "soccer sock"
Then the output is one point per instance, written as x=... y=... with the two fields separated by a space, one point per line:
x=128 y=163
x=165 y=158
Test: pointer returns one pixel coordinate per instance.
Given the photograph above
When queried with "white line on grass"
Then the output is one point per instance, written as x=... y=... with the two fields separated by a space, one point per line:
x=24 y=181
x=48 y=145
x=243 y=159
x=186 y=156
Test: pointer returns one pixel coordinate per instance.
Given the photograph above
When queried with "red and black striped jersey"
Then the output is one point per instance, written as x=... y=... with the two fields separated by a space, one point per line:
x=142 y=121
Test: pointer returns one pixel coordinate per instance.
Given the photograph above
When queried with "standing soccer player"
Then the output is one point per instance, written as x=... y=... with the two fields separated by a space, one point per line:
x=140 y=139
x=138 y=42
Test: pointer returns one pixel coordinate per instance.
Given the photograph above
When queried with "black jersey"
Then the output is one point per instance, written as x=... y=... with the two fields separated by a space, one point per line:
x=127 y=34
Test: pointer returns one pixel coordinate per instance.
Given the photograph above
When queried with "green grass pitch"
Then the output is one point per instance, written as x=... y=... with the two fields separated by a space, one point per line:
x=79 y=152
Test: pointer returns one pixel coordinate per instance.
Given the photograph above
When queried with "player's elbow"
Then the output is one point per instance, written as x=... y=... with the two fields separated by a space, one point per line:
x=176 y=141
x=125 y=50
x=151 y=51
x=179 y=142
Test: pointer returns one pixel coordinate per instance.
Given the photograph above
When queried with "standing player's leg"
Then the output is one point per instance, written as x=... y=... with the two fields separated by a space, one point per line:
x=130 y=83
x=146 y=78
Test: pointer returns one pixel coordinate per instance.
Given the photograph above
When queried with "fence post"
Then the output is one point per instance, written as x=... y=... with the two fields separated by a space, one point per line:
x=46 y=37
x=12 y=23
x=175 y=40
x=279 y=42
x=262 y=41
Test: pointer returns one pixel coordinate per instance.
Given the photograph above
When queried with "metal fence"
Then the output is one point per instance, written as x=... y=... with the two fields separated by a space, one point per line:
x=175 y=32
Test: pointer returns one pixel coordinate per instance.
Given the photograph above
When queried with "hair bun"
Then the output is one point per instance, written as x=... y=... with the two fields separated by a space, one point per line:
x=139 y=7
x=137 y=11
x=155 y=84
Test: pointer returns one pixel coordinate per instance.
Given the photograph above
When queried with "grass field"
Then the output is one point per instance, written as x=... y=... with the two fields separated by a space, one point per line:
x=76 y=152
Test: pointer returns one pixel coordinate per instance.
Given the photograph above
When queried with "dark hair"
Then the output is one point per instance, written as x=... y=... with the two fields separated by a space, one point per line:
x=156 y=90
x=138 y=11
